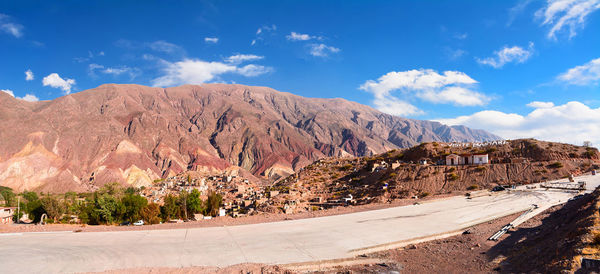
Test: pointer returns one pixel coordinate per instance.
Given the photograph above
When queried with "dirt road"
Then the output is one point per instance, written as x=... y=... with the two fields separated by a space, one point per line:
x=283 y=242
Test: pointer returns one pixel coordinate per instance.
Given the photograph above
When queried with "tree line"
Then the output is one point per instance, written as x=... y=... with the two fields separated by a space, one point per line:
x=111 y=204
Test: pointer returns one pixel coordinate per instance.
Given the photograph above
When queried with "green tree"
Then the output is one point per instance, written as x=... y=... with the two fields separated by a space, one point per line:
x=18 y=214
x=86 y=213
x=52 y=207
x=132 y=190
x=113 y=189
x=9 y=197
x=170 y=209
x=30 y=196
x=35 y=210
x=107 y=209
x=195 y=203
x=133 y=204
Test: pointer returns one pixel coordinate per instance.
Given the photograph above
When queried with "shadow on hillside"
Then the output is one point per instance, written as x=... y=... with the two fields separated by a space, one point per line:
x=548 y=247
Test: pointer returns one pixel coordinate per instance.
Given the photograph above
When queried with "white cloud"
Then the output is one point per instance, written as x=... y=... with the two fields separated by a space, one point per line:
x=212 y=40
x=586 y=74
x=573 y=122
x=55 y=81
x=456 y=95
x=7 y=26
x=294 y=36
x=461 y=36
x=30 y=98
x=322 y=50
x=89 y=57
x=263 y=29
x=27 y=97
x=253 y=70
x=240 y=58
x=114 y=71
x=260 y=32
x=569 y=14
x=516 y=11
x=193 y=71
x=507 y=55
x=29 y=75
x=158 y=46
x=164 y=46
x=190 y=71
x=451 y=87
x=395 y=106
x=454 y=54
x=538 y=104
x=8 y=91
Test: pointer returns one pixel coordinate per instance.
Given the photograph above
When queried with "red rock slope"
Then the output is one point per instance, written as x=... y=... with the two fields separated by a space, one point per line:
x=135 y=134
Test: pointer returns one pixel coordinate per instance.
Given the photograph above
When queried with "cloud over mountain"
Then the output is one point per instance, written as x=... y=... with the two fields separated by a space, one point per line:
x=450 y=87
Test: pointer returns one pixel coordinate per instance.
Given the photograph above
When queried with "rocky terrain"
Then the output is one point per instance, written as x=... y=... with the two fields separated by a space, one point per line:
x=398 y=174
x=557 y=244
x=135 y=134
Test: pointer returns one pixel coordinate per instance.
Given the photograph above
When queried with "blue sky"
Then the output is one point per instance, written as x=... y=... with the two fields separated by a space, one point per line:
x=516 y=68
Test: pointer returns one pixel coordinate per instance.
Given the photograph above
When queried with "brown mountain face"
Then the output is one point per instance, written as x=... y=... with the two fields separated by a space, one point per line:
x=135 y=134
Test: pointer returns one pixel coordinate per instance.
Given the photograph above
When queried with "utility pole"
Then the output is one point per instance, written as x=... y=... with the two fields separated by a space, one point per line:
x=18 y=209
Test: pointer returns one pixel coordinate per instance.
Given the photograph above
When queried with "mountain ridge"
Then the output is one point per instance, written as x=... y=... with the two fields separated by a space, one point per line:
x=136 y=134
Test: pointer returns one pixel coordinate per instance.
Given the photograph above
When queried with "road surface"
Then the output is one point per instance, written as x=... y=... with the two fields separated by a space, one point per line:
x=305 y=240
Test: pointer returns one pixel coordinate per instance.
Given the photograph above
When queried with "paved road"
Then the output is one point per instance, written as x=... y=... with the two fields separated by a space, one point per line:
x=271 y=243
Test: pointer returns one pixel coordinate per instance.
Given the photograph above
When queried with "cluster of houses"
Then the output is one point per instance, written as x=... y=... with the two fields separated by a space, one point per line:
x=240 y=196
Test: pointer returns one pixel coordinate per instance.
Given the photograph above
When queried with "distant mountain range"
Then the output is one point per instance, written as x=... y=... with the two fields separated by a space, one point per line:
x=136 y=134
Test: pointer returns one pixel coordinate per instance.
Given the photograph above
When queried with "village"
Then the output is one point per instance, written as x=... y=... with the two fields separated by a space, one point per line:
x=334 y=182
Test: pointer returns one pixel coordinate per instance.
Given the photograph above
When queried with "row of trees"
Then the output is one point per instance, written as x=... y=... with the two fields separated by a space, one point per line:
x=113 y=204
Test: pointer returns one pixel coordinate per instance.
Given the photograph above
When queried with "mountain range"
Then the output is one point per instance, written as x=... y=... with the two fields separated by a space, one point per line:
x=135 y=134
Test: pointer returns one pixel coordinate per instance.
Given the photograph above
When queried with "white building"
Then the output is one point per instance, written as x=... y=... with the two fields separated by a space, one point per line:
x=467 y=159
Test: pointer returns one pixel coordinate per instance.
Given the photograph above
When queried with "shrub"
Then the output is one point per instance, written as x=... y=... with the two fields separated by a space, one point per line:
x=213 y=203
x=556 y=165
x=150 y=213
x=452 y=177
x=480 y=168
x=346 y=167
x=423 y=194
x=473 y=187
x=589 y=153
x=451 y=169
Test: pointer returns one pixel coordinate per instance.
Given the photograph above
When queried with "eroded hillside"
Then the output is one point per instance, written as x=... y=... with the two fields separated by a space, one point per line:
x=398 y=173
